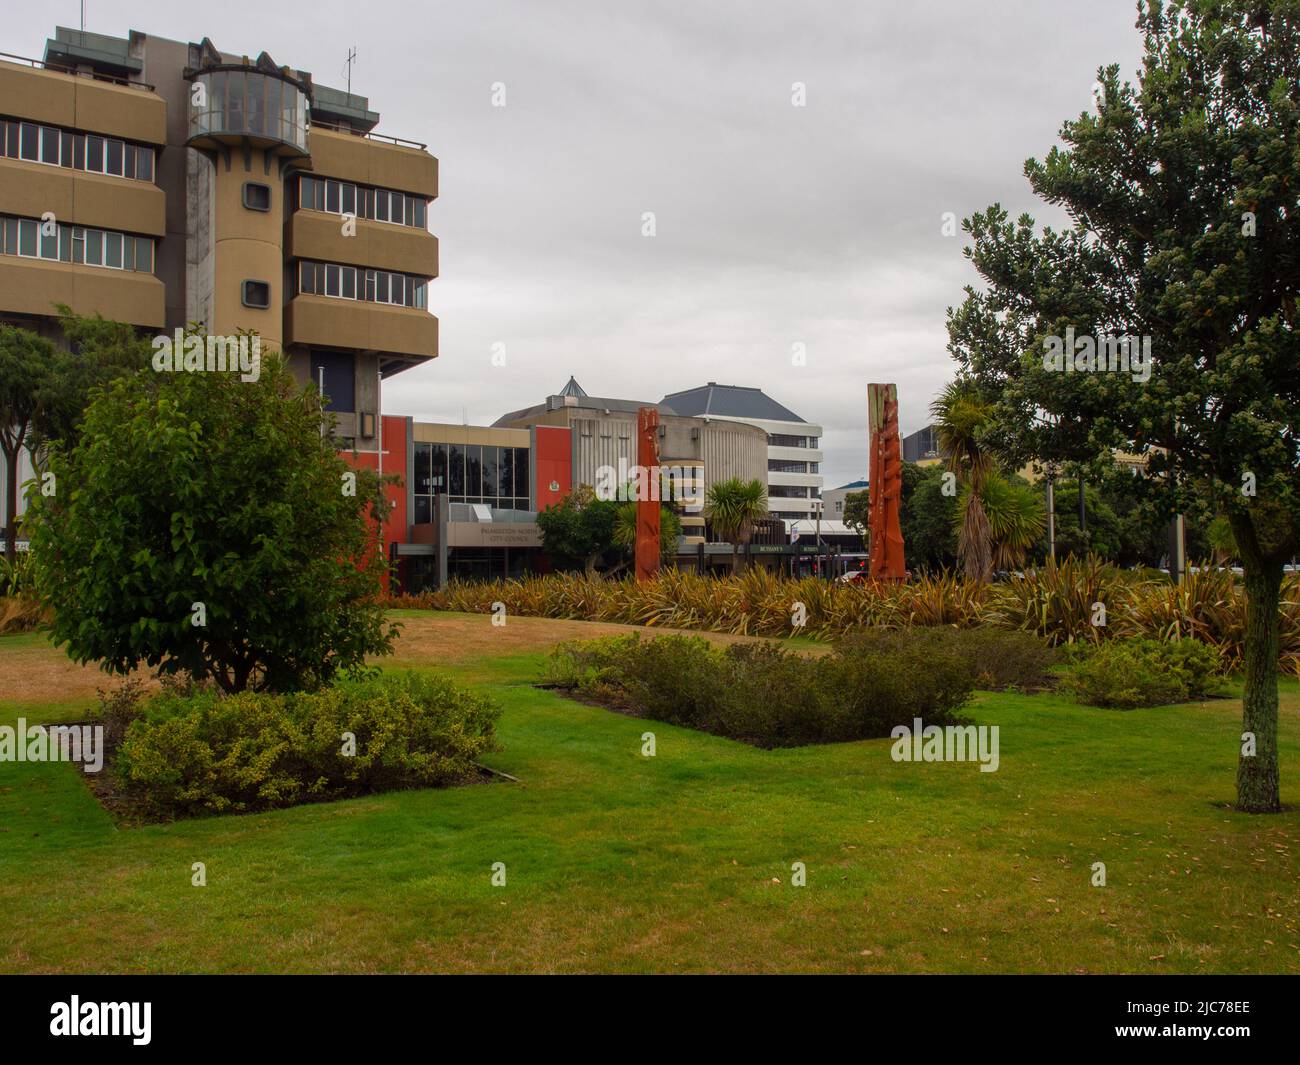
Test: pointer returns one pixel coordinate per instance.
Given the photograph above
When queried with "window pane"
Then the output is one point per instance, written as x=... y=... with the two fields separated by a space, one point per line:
x=423 y=510
x=27 y=232
x=421 y=295
x=79 y=151
x=455 y=470
x=31 y=141
x=521 y=475
x=65 y=149
x=368 y=203
x=273 y=108
x=438 y=471
x=128 y=253
x=489 y=470
x=473 y=469
x=350 y=282
x=217 y=100
x=397 y=203
x=95 y=247
x=349 y=199
x=421 y=212
x=9 y=139
x=381 y=286
x=332 y=197
x=114 y=157
x=257 y=103
x=50 y=138
x=305 y=184
x=506 y=472
x=95 y=154
x=423 y=461
x=49 y=243
x=144 y=255
x=10 y=236
x=369 y=293
x=128 y=162
x=65 y=244
x=113 y=250
x=235 y=83
x=381 y=205
x=331 y=280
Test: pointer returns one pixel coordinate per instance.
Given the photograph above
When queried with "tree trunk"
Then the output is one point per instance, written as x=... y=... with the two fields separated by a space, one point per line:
x=1258 y=786
x=11 y=504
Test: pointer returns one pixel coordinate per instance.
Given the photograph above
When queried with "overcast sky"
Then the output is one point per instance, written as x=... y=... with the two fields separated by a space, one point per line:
x=775 y=224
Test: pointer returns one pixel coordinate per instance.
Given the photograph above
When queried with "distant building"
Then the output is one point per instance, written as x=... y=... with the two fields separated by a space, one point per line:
x=833 y=498
x=603 y=434
x=922 y=447
x=794 y=481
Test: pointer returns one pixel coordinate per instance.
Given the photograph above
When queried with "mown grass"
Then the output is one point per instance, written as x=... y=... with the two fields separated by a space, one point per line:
x=681 y=862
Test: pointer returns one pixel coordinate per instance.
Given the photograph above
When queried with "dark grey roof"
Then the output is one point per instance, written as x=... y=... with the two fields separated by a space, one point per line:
x=583 y=402
x=733 y=401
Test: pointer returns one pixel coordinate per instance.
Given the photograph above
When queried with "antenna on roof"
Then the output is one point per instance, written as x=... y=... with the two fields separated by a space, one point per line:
x=352 y=57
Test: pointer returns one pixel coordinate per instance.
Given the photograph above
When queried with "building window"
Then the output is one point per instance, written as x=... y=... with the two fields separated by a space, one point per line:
x=470 y=473
x=76 y=244
x=256 y=294
x=257 y=197
x=378 y=205
x=357 y=283
x=55 y=146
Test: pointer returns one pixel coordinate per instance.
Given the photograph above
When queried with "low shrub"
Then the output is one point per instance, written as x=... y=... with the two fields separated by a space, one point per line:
x=766 y=695
x=996 y=659
x=195 y=753
x=1132 y=673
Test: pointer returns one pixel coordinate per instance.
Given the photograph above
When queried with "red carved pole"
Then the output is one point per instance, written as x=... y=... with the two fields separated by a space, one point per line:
x=886 y=487
x=647 y=497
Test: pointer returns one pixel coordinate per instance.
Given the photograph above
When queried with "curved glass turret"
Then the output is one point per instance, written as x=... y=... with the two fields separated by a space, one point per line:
x=238 y=103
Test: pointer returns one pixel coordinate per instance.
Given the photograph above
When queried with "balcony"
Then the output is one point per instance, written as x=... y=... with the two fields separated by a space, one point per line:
x=323 y=321
x=369 y=160
x=33 y=286
x=30 y=189
x=242 y=104
x=59 y=98
x=319 y=236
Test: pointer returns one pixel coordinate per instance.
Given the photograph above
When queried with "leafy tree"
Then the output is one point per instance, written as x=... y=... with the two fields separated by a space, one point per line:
x=205 y=524
x=579 y=529
x=29 y=372
x=1015 y=515
x=670 y=528
x=857 y=509
x=44 y=389
x=928 y=519
x=962 y=415
x=731 y=507
x=1184 y=191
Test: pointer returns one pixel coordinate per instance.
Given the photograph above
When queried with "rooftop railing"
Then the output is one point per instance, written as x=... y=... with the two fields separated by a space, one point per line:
x=338 y=127
x=61 y=68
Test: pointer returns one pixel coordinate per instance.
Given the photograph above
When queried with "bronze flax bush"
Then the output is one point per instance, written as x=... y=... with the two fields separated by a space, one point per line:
x=1057 y=602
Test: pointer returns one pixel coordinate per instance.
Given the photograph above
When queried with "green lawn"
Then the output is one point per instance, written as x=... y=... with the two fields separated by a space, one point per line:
x=680 y=862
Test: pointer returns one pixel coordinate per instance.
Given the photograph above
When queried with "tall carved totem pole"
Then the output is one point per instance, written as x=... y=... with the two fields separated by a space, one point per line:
x=647 y=496
x=886 y=477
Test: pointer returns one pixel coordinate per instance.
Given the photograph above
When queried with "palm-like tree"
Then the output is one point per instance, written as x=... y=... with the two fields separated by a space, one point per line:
x=1016 y=517
x=961 y=415
x=731 y=507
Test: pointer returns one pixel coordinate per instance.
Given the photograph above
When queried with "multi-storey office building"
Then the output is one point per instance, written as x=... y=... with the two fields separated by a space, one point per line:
x=160 y=183
x=793 y=474
x=698 y=451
